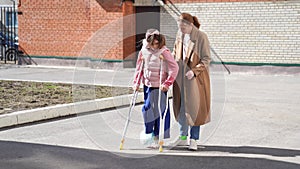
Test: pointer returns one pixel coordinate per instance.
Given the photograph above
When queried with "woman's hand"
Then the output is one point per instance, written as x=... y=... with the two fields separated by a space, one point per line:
x=189 y=74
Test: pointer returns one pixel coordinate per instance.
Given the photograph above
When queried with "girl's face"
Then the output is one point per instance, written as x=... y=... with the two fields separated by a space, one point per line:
x=155 y=44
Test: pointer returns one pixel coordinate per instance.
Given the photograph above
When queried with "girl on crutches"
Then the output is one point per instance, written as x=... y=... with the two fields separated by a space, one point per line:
x=159 y=72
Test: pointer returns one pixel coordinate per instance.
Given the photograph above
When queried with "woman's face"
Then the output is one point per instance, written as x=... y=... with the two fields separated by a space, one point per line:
x=184 y=25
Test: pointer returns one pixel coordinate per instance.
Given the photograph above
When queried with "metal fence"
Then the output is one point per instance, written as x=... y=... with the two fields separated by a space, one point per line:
x=8 y=34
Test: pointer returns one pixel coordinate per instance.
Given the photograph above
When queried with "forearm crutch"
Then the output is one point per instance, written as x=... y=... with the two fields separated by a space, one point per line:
x=162 y=116
x=132 y=104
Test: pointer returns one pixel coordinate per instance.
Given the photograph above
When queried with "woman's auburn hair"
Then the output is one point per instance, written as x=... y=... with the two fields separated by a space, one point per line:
x=192 y=19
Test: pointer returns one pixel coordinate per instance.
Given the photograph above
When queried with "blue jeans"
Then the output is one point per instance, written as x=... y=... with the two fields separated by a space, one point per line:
x=151 y=111
x=183 y=125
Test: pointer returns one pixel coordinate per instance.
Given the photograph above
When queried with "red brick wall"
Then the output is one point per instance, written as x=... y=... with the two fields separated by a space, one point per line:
x=65 y=27
x=62 y=27
x=100 y=18
x=194 y=1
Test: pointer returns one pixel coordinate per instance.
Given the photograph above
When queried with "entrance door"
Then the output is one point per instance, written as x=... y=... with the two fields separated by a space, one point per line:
x=146 y=17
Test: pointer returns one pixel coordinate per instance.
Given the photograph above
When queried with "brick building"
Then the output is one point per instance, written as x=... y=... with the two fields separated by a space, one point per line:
x=240 y=31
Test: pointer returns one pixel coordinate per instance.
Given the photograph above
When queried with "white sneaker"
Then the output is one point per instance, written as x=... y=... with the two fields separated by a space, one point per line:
x=180 y=142
x=154 y=144
x=193 y=145
x=146 y=139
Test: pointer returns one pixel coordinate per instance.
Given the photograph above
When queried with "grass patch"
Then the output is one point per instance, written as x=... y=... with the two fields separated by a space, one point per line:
x=19 y=95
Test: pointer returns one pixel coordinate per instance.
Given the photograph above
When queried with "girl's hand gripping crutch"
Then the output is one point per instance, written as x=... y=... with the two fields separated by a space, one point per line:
x=132 y=103
x=162 y=115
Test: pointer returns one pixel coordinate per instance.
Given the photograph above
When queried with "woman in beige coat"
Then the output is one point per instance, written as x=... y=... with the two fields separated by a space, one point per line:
x=191 y=90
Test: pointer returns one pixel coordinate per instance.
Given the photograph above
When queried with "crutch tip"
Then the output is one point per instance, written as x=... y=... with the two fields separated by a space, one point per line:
x=160 y=149
x=121 y=146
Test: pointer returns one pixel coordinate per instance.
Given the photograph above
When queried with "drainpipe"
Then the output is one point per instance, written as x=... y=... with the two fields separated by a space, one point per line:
x=129 y=56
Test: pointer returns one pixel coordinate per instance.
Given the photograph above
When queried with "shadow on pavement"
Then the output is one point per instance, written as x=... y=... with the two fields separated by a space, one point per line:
x=16 y=155
x=247 y=150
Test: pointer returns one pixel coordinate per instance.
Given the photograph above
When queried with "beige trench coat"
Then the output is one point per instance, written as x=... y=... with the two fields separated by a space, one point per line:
x=197 y=97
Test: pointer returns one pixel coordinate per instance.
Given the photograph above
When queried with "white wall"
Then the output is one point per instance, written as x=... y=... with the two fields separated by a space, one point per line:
x=250 y=32
x=7 y=2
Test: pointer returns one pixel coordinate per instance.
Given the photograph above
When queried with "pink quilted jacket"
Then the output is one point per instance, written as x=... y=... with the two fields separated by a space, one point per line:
x=152 y=67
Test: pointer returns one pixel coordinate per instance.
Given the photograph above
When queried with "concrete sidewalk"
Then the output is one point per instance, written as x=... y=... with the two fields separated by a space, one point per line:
x=255 y=121
x=72 y=75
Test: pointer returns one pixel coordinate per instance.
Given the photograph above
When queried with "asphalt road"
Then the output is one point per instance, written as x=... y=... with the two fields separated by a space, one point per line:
x=16 y=155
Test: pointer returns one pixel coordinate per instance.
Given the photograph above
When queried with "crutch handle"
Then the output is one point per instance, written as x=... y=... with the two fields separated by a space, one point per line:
x=161 y=57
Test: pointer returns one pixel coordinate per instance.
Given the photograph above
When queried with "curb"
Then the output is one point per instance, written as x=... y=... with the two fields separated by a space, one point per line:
x=61 y=110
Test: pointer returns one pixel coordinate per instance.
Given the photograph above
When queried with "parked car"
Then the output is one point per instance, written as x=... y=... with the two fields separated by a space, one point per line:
x=9 y=46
